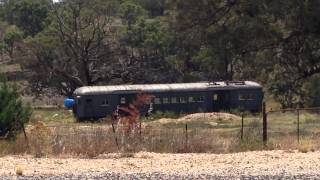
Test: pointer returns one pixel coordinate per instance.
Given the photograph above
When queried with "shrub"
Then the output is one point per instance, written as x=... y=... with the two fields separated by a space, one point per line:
x=166 y=114
x=13 y=114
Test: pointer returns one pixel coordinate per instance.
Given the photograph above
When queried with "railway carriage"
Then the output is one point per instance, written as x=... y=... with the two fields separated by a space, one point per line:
x=94 y=102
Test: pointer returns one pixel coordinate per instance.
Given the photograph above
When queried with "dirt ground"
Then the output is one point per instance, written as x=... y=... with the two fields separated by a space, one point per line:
x=210 y=118
x=247 y=164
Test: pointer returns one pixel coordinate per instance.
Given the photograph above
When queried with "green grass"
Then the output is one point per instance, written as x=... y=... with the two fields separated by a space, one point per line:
x=4 y=68
x=167 y=114
x=52 y=116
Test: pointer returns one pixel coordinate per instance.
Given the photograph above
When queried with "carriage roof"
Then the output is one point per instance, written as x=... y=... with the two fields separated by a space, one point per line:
x=148 y=88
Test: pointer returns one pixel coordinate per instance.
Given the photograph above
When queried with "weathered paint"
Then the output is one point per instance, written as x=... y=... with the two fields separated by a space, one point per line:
x=218 y=96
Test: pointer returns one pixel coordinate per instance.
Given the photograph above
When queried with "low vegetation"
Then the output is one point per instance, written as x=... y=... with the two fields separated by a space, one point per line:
x=19 y=171
x=13 y=113
x=72 y=43
x=56 y=137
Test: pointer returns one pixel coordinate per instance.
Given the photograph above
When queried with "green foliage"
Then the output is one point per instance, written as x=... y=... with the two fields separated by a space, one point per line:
x=29 y=15
x=76 y=48
x=166 y=114
x=150 y=41
x=11 y=36
x=130 y=12
x=312 y=89
x=13 y=114
x=155 y=7
x=147 y=46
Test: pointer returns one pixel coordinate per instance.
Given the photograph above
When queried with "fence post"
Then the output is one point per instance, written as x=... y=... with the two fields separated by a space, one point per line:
x=264 y=119
x=25 y=135
x=298 y=125
x=241 y=132
x=140 y=129
x=186 y=145
x=114 y=134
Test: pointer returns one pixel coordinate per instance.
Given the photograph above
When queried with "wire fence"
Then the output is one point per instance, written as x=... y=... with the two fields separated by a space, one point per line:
x=280 y=129
x=102 y=139
x=94 y=139
x=290 y=128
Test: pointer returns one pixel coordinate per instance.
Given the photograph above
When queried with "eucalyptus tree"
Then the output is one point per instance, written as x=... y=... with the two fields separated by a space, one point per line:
x=78 y=48
x=29 y=15
x=219 y=38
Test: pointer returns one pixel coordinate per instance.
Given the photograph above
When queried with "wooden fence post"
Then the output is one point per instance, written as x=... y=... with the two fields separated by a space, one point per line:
x=25 y=135
x=186 y=145
x=265 y=125
x=241 y=132
x=298 y=125
x=140 y=129
x=115 y=135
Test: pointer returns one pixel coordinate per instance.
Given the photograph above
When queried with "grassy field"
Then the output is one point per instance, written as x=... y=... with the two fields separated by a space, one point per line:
x=52 y=116
x=54 y=132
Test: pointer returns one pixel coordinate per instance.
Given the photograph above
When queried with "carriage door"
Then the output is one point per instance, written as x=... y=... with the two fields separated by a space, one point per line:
x=221 y=101
x=89 y=111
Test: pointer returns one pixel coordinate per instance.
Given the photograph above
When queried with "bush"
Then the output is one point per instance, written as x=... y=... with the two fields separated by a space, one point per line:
x=166 y=114
x=312 y=88
x=13 y=114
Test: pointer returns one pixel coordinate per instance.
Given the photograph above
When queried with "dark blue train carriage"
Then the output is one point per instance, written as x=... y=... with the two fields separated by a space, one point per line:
x=94 y=102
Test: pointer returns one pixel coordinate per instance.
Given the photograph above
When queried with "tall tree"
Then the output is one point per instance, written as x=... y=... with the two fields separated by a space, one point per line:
x=11 y=37
x=78 y=47
x=29 y=15
x=297 y=54
x=222 y=36
x=145 y=42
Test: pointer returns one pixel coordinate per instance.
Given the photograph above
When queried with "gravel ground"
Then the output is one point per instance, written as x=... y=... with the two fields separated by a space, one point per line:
x=248 y=165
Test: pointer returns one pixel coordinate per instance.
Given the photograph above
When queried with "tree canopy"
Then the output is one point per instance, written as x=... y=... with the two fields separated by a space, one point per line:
x=74 y=43
x=13 y=114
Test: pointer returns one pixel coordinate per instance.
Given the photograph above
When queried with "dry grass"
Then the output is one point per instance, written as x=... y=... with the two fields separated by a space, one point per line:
x=92 y=140
x=39 y=140
x=5 y=68
x=19 y=171
x=53 y=116
x=307 y=146
x=127 y=155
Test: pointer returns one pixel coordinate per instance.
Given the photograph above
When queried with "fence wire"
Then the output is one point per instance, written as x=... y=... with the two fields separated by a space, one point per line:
x=100 y=138
x=291 y=128
x=201 y=135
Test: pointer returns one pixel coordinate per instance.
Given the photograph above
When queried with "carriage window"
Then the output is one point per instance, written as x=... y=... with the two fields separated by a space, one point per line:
x=215 y=97
x=191 y=99
x=157 y=101
x=199 y=99
x=174 y=100
x=165 y=100
x=122 y=100
x=105 y=102
x=247 y=96
x=183 y=99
